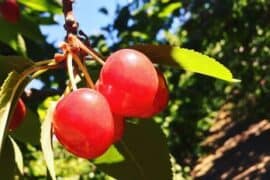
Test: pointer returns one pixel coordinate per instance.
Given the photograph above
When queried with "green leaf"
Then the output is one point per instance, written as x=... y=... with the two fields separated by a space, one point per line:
x=13 y=63
x=10 y=33
x=10 y=37
x=28 y=28
x=43 y=5
x=21 y=46
x=112 y=155
x=9 y=94
x=196 y=62
x=23 y=134
x=16 y=63
x=7 y=161
x=46 y=141
x=11 y=159
x=146 y=154
x=189 y=60
x=138 y=34
x=169 y=9
x=18 y=155
x=13 y=39
x=10 y=91
x=7 y=35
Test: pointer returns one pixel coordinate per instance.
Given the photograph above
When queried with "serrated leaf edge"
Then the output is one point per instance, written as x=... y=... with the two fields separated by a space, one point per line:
x=176 y=52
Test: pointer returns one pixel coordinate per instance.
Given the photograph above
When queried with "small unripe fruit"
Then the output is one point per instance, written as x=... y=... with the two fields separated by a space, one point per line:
x=18 y=116
x=129 y=82
x=83 y=123
x=10 y=11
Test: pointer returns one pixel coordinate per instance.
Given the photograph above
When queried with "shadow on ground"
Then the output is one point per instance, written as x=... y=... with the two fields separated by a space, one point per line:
x=238 y=150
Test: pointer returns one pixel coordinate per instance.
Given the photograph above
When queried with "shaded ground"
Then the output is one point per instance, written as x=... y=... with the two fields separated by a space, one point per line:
x=238 y=150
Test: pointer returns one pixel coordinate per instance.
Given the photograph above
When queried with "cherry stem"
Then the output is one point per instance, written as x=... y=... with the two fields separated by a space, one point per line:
x=43 y=66
x=45 y=62
x=71 y=72
x=41 y=69
x=93 y=53
x=82 y=67
x=89 y=50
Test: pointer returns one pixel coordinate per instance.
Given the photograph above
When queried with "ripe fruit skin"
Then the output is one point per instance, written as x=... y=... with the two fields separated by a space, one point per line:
x=10 y=10
x=19 y=114
x=129 y=82
x=119 y=126
x=161 y=100
x=83 y=123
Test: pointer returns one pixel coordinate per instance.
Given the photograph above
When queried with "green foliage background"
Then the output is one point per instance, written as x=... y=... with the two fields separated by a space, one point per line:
x=234 y=32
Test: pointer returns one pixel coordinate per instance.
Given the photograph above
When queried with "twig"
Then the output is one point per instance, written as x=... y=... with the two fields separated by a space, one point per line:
x=50 y=64
x=88 y=79
x=71 y=72
x=93 y=53
x=71 y=25
x=77 y=43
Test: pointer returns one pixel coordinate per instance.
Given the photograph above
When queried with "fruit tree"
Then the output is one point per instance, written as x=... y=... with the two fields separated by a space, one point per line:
x=100 y=107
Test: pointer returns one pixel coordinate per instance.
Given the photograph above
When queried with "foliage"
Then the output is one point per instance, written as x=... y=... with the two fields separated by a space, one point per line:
x=233 y=32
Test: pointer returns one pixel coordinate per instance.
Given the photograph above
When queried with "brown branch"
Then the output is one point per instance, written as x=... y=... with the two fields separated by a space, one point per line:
x=71 y=25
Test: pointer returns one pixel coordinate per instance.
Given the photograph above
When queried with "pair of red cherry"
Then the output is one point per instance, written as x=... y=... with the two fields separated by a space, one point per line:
x=87 y=121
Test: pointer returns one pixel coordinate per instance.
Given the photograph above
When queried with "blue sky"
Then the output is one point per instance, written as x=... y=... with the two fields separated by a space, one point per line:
x=90 y=19
x=87 y=14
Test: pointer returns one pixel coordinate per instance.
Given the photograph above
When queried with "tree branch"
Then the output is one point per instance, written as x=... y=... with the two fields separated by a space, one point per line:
x=71 y=25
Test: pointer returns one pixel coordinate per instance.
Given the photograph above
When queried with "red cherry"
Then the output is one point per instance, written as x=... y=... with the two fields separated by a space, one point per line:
x=83 y=123
x=119 y=126
x=129 y=82
x=19 y=114
x=161 y=100
x=10 y=10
